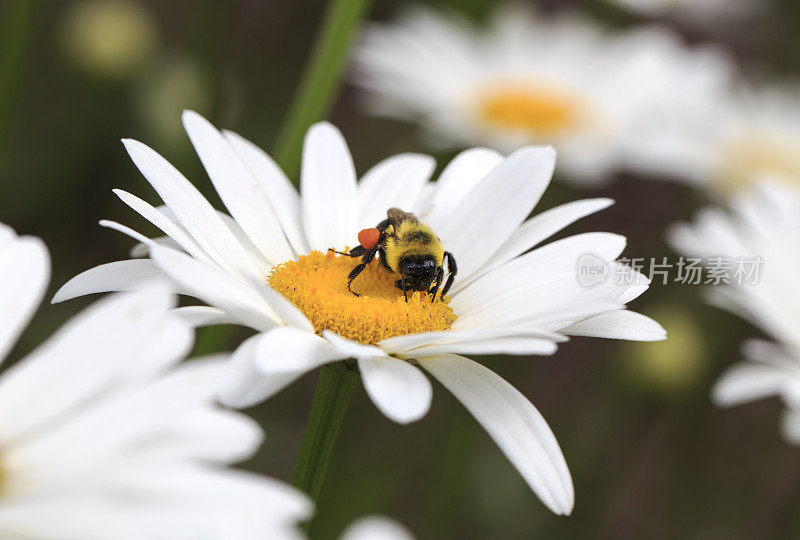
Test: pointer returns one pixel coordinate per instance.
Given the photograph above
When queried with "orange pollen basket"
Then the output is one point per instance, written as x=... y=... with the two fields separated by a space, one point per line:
x=368 y=237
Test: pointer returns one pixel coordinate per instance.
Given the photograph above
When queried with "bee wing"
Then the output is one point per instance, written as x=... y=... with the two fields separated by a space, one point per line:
x=397 y=216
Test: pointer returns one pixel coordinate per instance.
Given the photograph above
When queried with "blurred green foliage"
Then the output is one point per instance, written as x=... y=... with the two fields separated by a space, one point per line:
x=647 y=462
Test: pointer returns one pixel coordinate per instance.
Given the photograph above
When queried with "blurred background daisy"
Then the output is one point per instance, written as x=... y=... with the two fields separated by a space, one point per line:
x=764 y=221
x=700 y=96
x=528 y=78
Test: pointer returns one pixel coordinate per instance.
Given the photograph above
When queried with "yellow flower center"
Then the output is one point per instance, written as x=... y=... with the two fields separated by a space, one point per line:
x=317 y=285
x=749 y=160
x=537 y=110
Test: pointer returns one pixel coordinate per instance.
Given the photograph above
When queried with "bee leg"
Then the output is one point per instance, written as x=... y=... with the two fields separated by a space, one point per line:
x=436 y=284
x=353 y=275
x=452 y=269
x=367 y=257
x=401 y=284
x=357 y=251
x=383 y=225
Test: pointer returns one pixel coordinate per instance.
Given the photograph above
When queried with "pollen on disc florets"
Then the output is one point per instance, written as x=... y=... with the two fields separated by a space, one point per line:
x=317 y=284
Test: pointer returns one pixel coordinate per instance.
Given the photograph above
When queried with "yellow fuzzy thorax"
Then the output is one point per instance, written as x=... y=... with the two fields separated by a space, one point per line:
x=406 y=242
x=317 y=284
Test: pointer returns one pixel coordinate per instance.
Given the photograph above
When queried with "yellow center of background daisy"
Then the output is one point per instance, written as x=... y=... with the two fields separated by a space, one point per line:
x=539 y=111
x=748 y=160
x=317 y=284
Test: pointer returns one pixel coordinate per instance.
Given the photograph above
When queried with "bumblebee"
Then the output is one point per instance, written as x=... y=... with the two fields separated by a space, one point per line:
x=407 y=247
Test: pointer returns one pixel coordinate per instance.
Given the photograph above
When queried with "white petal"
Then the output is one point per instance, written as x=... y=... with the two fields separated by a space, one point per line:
x=398 y=389
x=755 y=310
x=244 y=384
x=142 y=250
x=748 y=381
x=217 y=288
x=490 y=213
x=423 y=199
x=7 y=235
x=401 y=344
x=65 y=519
x=514 y=424
x=245 y=241
x=138 y=517
x=537 y=301
x=350 y=348
x=457 y=179
x=238 y=189
x=522 y=286
x=209 y=434
x=765 y=351
x=620 y=324
x=191 y=209
x=375 y=528
x=291 y=350
x=394 y=182
x=551 y=320
x=286 y=311
x=506 y=345
x=167 y=226
x=152 y=412
x=639 y=284
x=119 y=339
x=163 y=499
x=197 y=316
x=539 y=228
x=328 y=185
x=124 y=229
x=253 y=494
x=24 y=273
x=267 y=363
x=130 y=275
x=282 y=194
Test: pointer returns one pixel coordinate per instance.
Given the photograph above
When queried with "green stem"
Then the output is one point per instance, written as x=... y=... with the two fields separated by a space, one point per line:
x=335 y=384
x=320 y=80
x=318 y=87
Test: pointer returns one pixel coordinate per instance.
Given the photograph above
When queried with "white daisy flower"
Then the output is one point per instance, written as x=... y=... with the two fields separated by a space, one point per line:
x=752 y=134
x=102 y=436
x=267 y=266
x=765 y=223
x=599 y=98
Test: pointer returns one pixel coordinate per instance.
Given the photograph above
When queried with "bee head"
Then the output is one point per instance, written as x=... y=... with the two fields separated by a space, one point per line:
x=418 y=273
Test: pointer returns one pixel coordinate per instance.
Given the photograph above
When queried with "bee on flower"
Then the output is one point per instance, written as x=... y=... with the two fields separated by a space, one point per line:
x=408 y=248
x=267 y=265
